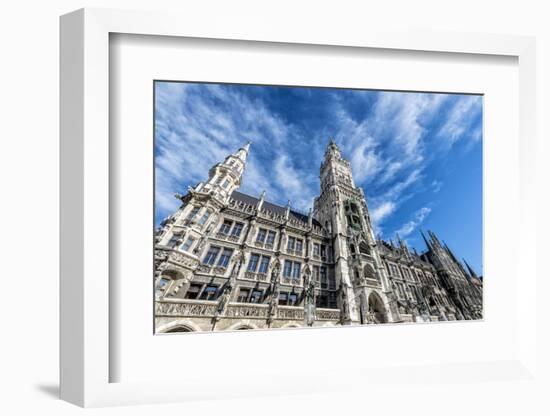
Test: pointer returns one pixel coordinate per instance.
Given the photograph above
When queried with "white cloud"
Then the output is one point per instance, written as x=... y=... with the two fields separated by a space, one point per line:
x=381 y=211
x=414 y=223
x=198 y=127
x=458 y=120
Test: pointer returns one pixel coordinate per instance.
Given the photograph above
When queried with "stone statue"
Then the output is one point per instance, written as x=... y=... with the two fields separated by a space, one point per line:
x=344 y=311
x=274 y=297
x=309 y=286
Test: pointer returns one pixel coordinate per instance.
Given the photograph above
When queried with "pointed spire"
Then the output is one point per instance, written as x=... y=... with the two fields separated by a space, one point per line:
x=261 y=201
x=287 y=212
x=434 y=238
x=242 y=153
x=425 y=240
x=332 y=148
x=470 y=270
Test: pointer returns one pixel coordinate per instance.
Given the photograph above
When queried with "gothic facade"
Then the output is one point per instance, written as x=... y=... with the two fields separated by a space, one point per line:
x=226 y=260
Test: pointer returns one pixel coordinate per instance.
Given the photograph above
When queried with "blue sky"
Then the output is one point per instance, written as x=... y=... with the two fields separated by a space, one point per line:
x=417 y=156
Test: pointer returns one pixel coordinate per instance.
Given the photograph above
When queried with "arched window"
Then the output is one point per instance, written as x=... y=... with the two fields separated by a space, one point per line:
x=369 y=272
x=181 y=328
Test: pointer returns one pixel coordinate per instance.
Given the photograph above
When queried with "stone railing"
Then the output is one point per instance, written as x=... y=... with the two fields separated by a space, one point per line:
x=327 y=314
x=260 y=244
x=246 y=310
x=183 y=259
x=261 y=277
x=228 y=237
x=291 y=281
x=290 y=312
x=294 y=252
x=217 y=270
x=197 y=308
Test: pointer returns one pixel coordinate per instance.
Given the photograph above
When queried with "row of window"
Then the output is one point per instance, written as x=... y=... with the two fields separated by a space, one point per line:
x=249 y=295
x=232 y=228
x=258 y=263
x=218 y=256
x=404 y=272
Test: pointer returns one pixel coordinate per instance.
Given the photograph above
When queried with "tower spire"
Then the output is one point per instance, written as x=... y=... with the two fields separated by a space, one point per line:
x=425 y=240
x=470 y=270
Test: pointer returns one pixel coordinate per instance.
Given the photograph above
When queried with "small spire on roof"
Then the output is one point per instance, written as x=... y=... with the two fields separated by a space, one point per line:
x=287 y=213
x=261 y=201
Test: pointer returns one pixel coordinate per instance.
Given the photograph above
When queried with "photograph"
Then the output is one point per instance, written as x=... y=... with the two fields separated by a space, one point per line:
x=280 y=207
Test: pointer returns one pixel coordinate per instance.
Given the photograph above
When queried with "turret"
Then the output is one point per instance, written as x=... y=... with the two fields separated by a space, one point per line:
x=225 y=177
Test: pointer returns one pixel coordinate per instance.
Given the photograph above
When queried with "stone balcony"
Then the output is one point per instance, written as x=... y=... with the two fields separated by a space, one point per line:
x=260 y=244
x=291 y=281
x=294 y=252
x=186 y=308
x=194 y=308
x=215 y=270
x=247 y=310
x=260 y=277
x=228 y=237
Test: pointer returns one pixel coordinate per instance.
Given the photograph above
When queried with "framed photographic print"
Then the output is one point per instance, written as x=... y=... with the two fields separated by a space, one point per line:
x=310 y=252
x=328 y=211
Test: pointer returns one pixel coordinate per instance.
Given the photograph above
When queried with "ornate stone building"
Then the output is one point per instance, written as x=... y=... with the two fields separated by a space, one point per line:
x=227 y=260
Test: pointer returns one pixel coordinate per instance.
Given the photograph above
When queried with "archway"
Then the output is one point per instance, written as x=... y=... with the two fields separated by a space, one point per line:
x=242 y=326
x=377 y=308
x=181 y=328
x=178 y=326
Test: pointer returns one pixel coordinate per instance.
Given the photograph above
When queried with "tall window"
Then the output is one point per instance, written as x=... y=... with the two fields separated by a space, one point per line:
x=188 y=243
x=225 y=184
x=237 y=228
x=210 y=257
x=323 y=251
x=209 y=293
x=260 y=238
x=174 y=240
x=226 y=226
x=321 y=301
x=193 y=213
x=253 y=262
x=287 y=270
x=323 y=276
x=316 y=249
x=264 y=265
x=162 y=284
x=204 y=218
x=292 y=299
x=332 y=282
x=332 y=300
x=256 y=296
x=225 y=257
x=298 y=246
x=296 y=270
x=270 y=237
x=193 y=291
x=291 y=243
x=243 y=295
x=315 y=275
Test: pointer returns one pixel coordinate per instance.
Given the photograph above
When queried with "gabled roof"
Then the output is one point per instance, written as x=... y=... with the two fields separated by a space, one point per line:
x=269 y=206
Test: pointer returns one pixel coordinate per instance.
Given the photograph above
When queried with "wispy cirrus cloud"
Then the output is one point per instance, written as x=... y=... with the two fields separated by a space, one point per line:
x=418 y=218
x=390 y=138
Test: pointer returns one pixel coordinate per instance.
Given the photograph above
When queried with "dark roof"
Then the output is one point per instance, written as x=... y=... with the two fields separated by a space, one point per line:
x=269 y=206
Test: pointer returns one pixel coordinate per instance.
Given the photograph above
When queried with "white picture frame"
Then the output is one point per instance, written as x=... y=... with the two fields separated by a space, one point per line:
x=86 y=355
